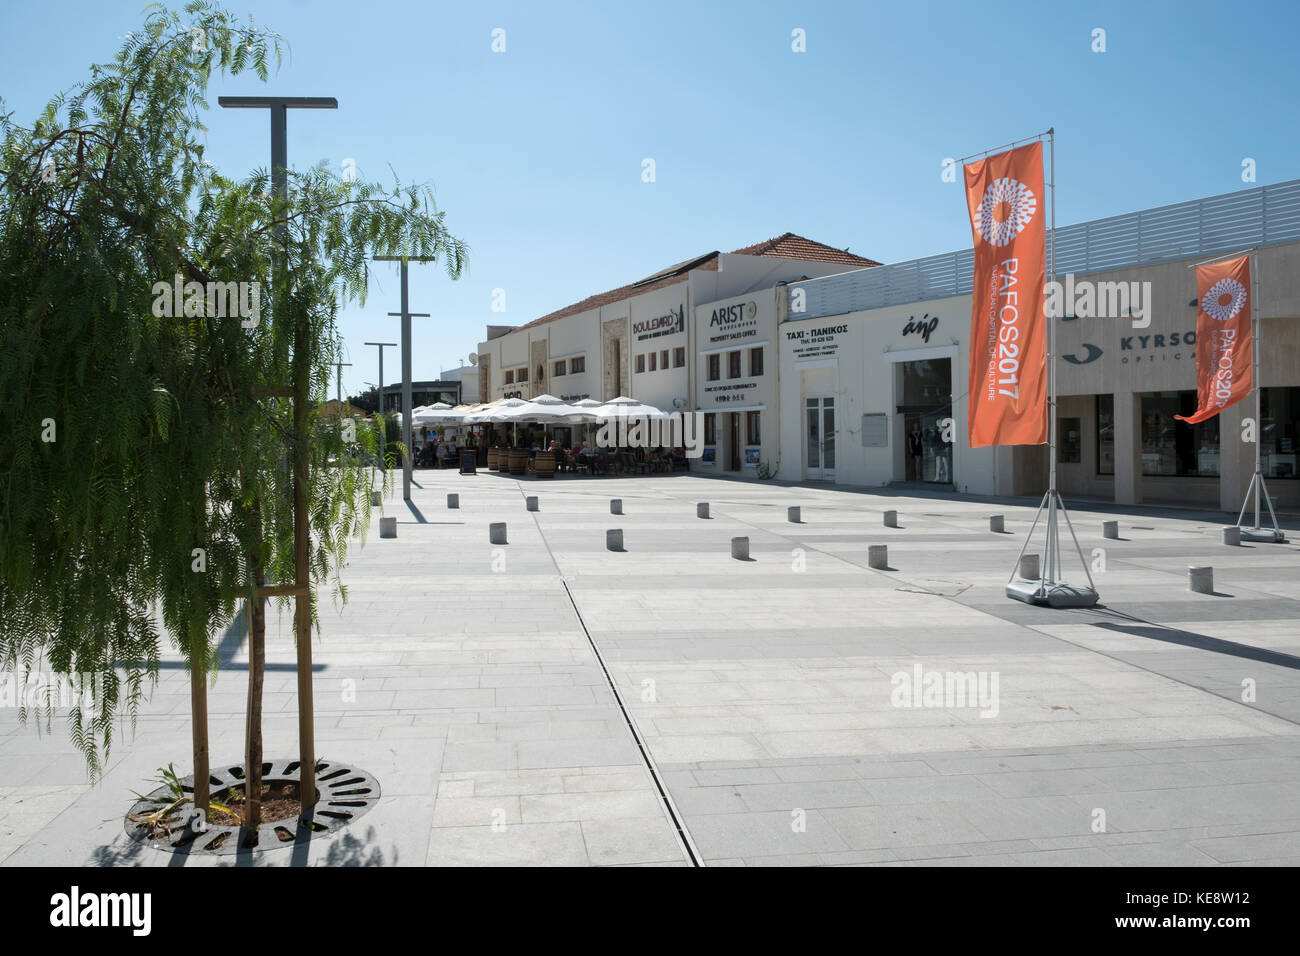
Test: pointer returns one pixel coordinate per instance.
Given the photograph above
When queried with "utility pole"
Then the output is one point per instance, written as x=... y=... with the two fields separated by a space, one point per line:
x=339 y=393
x=406 y=315
x=279 y=107
x=383 y=445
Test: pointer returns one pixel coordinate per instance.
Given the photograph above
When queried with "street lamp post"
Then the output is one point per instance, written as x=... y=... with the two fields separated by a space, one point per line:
x=383 y=443
x=279 y=107
x=406 y=315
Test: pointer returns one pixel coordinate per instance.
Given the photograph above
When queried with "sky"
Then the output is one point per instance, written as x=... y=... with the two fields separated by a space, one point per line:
x=536 y=154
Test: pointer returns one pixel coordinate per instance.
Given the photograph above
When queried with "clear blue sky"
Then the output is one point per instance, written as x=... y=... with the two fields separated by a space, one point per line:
x=535 y=153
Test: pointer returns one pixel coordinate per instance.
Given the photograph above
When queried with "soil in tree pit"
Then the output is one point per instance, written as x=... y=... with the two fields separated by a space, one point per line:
x=279 y=802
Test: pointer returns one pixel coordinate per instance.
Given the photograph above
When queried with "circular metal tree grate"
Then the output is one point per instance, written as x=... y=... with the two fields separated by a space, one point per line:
x=344 y=794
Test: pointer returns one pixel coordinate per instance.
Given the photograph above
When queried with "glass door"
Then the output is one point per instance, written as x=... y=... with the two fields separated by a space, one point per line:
x=924 y=388
x=819 y=414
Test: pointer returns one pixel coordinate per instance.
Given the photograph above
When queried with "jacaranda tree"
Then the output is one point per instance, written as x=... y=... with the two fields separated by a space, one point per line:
x=148 y=305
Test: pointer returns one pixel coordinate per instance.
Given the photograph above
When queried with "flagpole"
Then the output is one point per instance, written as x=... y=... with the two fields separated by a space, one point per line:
x=1051 y=588
x=1254 y=358
x=1054 y=555
x=1258 y=487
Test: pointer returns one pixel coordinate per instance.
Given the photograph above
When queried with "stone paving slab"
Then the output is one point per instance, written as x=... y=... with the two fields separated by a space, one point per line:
x=463 y=676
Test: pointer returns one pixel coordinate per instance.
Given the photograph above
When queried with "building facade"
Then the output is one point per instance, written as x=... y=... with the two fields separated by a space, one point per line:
x=653 y=340
x=812 y=364
x=874 y=366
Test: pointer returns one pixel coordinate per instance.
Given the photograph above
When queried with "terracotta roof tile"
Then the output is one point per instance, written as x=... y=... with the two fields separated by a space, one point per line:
x=791 y=246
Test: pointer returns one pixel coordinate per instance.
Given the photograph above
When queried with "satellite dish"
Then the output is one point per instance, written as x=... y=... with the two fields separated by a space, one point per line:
x=473 y=359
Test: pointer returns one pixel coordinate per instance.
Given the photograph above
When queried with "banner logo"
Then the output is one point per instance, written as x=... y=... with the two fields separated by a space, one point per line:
x=1006 y=209
x=1225 y=299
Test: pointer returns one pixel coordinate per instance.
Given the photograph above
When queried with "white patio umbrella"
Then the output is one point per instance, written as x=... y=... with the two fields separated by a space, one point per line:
x=438 y=412
x=624 y=407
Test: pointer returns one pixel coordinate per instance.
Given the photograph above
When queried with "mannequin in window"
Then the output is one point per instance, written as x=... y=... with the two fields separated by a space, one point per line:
x=916 y=450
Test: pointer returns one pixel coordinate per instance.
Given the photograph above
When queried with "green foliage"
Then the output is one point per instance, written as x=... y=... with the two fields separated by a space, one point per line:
x=165 y=439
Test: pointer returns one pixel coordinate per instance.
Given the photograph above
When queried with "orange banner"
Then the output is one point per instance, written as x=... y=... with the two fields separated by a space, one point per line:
x=1224 y=344
x=1008 y=337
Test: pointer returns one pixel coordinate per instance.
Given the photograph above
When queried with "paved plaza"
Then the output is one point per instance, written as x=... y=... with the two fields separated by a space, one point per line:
x=758 y=718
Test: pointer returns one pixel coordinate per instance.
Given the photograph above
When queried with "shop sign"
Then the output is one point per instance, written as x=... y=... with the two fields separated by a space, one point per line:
x=730 y=393
x=669 y=323
x=816 y=343
x=730 y=322
x=927 y=324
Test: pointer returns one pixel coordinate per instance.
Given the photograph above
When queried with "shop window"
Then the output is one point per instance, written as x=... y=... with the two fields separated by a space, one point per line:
x=715 y=367
x=558 y=371
x=663 y=359
x=1069 y=441
x=753 y=436
x=756 y=362
x=733 y=364
x=679 y=358
x=710 y=425
x=1174 y=448
x=521 y=375
x=1278 y=431
x=510 y=376
x=1105 y=434
x=578 y=365
x=640 y=362
x=654 y=358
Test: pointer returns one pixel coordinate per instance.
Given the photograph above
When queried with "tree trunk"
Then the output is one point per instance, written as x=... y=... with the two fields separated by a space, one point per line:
x=199 y=720
x=256 y=680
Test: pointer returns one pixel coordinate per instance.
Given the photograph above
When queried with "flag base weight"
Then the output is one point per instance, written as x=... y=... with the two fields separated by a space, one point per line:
x=1054 y=594
x=1271 y=535
x=1049 y=590
x=1259 y=489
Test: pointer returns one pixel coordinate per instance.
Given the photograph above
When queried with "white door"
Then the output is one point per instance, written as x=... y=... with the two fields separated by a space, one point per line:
x=819 y=425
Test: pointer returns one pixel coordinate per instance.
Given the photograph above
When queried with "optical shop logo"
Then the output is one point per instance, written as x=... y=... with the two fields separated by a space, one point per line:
x=1085 y=299
x=677 y=429
x=1225 y=299
x=1007 y=207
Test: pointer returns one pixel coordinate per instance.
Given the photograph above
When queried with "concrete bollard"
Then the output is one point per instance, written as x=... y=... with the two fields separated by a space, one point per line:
x=878 y=556
x=891 y=519
x=1232 y=535
x=497 y=532
x=792 y=515
x=388 y=527
x=740 y=548
x=1029 y=569
x=616 y=506
x=374 y=499
x=453 y=501
x=530 y=502
x=996 y=524
x=702 y=509
x=614 y=539
x=1200 y=579
x=1110 y=529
